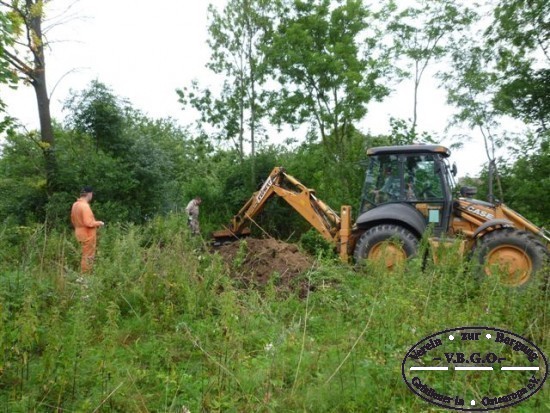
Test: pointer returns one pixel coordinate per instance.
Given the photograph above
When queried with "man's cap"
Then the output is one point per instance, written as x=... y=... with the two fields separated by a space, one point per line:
x=86 y=190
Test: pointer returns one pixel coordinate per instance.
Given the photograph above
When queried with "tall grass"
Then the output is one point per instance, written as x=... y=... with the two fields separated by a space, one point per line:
x=160 y=325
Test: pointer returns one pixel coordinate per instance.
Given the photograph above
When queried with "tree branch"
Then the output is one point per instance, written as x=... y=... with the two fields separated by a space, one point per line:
x=62 y=17
x=66 y=20
x=10 y=6
x=18 y=64
x=537 y=32
x=62 y=77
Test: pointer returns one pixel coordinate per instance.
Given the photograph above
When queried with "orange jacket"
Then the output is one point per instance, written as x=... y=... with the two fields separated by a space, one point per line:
x=84 y=221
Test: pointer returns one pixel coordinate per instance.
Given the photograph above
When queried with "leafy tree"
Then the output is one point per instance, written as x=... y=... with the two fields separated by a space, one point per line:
x=138 y=172
x=527 y=184
x=156 y=159
x=7 y=76
x=22 y=194
x=328 y=67
x=24 y=199
x=220 y=112
x=405 y=133
x=236 y=37
x=520 y=31
x=421 y=35
x=80 y=163
x=527 y=97
x=328 y=61
x=309 y=163
x=26 y=19
x=471 y=85
x=505 y=72
x=96 y=111
x=521 y=35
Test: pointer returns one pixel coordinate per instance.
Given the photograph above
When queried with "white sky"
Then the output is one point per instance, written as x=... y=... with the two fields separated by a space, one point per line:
x=144 y=50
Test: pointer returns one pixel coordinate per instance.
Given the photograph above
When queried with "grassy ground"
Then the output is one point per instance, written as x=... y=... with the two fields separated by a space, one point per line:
x=161 y=327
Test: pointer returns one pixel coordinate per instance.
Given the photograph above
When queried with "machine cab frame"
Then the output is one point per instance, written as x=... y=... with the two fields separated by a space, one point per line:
x=413 y=174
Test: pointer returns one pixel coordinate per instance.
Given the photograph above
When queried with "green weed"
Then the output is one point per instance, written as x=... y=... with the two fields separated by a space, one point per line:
x=160 y=325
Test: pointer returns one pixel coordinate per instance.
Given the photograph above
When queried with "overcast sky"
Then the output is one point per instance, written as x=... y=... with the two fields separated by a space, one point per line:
x=144 y=50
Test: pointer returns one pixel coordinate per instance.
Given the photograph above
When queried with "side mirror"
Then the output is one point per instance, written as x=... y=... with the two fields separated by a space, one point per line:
x=454 y=169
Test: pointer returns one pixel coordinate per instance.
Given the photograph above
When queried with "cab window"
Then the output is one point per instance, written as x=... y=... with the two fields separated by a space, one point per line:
x=401 y=178
x=382 y=181
x=422 y=178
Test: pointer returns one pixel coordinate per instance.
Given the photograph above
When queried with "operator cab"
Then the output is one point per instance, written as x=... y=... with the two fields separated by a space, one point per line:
x=417 y=175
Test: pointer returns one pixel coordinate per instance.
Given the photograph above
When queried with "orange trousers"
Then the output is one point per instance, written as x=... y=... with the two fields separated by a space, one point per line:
x=87 y=239
x=88 y=255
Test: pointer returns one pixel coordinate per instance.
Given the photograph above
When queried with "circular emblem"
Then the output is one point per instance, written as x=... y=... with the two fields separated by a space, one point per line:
x=474 y=368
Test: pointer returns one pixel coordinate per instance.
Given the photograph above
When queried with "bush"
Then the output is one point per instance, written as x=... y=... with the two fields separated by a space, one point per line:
x=160 y=325
x=314 y=243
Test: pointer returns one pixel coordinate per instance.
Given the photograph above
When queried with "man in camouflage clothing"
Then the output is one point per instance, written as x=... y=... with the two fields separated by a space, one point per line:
x=192 y=210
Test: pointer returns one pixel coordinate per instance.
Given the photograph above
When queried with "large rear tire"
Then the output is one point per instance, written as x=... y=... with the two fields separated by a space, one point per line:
x=388 y=242
x=513 y=255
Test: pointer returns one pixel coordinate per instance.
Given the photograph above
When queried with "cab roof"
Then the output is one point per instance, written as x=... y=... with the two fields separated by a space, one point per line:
x=409 y=149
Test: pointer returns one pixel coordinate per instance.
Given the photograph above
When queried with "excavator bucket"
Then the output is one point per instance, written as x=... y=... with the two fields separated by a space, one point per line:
x=298 y=196
x=225 y=236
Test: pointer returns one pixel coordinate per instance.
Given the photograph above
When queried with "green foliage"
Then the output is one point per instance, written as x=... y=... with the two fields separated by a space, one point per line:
x=138 y=167
x=521 y=28
x=502 y=71
x=329 y=75
x=7 y=76
x=97 y=112
x=7 y=37
x=23 y=55
x=337 y=182
x=403 y=134
x=236 y=38
x=422 y=34
x=526 y=185
x=23 y=191
x=161 y=325
x=313 y=243
x=520 y=34
x=527 y=97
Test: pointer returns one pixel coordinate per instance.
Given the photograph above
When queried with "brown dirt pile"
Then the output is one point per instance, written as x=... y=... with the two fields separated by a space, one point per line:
x=256 y=261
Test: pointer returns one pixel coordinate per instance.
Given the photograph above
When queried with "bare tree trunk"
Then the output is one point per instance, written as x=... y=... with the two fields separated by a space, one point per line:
x=252 y=81
x=38 y=77
x=46 y=133
x=241 y=116
x=415 y=103
x=252 y=135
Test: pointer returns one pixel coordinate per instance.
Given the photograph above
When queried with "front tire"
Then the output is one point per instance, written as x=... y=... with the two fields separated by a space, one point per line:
x=388 y=242
x=516 y=256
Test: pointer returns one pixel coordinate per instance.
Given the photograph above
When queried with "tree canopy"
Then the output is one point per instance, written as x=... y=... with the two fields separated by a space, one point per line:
x=311 y=67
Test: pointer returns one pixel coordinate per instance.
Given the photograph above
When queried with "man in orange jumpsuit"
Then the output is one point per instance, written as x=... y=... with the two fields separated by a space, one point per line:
x=85 y=227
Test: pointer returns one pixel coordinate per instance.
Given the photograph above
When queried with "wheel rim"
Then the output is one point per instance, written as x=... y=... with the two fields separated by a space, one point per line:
x=512 y=262
x=388 y=253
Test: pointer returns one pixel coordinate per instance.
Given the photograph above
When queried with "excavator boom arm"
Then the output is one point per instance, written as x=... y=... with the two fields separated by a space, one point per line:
x=256 y=203
x=298 y=196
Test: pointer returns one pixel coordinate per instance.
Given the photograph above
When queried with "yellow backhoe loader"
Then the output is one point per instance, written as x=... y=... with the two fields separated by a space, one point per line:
x=407 y=190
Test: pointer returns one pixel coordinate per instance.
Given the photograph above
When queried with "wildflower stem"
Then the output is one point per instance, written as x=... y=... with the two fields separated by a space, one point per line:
x=354 y=344
x=303 y=337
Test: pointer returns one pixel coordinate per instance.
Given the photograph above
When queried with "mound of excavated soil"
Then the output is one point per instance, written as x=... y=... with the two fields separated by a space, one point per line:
x=254 y=261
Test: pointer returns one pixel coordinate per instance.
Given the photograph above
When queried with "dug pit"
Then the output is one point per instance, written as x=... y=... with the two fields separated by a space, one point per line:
x=255 y=262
